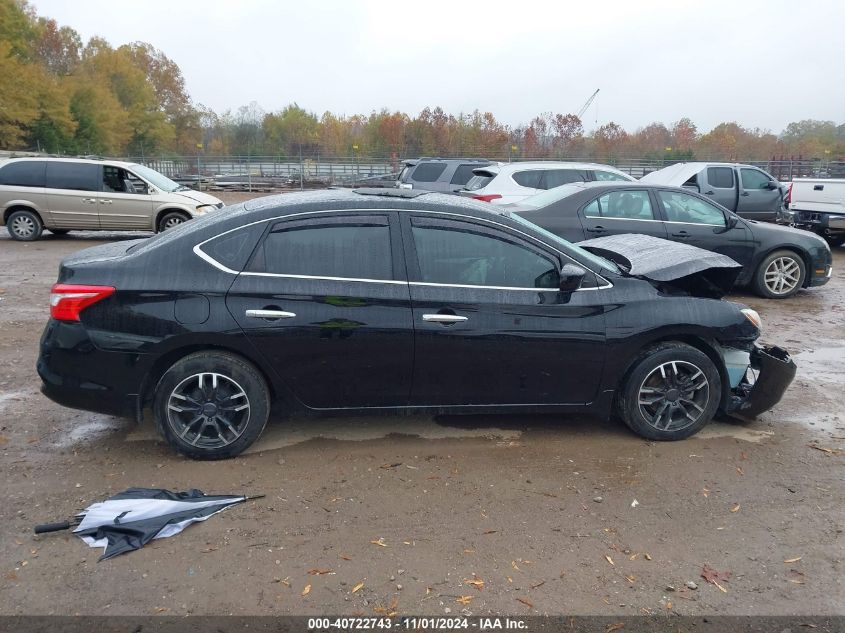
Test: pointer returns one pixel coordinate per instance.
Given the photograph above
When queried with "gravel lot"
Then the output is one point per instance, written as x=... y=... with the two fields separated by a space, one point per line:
x=540 y=508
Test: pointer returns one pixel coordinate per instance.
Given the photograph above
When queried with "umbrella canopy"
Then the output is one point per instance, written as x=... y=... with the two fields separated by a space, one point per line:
x=131 y=519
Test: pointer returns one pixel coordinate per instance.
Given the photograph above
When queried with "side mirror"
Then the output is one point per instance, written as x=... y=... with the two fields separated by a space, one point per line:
x=732 y=221
x=571 y=277
x=771 y=185
x=151 y=190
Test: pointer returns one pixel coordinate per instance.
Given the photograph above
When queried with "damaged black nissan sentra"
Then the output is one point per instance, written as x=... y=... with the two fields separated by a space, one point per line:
x=398 y=301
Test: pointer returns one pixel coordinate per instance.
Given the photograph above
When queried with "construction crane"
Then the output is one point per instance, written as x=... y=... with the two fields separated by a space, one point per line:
x=589 y=101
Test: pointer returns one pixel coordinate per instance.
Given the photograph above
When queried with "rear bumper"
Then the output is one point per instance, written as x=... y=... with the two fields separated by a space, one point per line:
x=74 y=373
x=775 y=371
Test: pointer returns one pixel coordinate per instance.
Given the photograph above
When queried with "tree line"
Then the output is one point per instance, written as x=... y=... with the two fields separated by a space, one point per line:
x=62 y=96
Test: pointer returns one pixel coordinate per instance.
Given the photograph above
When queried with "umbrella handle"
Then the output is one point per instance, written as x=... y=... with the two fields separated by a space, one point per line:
x=52 y=527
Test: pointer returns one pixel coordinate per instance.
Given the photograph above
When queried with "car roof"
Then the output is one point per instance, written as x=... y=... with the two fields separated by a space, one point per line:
x=65 y=159
x=551 y=164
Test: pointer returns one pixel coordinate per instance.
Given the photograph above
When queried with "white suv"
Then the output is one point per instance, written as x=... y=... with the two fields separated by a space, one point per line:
x=512 y=182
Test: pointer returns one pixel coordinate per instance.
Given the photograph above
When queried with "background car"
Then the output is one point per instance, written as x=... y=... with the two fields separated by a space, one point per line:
x=745 y=189
x=327 y=302
x=818 y=205
x=512 y=182
x=65 y=194
x=777 y=260
x=446 y=175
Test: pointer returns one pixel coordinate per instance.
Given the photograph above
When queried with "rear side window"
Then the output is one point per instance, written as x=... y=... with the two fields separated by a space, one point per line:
x=462 y=174
x=350 y=248
x=608 y=175
x=753 y=179
x=721 y=177
x=557 y=177
x=428 y=172
x=78 y=176
x=529 y=178
x=628 y=205
x=26 y=173
x=233 y=249
x=479 y=181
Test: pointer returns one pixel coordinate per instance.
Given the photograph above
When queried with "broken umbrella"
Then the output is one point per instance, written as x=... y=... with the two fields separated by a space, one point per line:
x=131 y=519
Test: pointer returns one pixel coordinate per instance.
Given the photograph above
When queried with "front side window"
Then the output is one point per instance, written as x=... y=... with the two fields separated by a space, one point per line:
x=76 y=176
x=754 y=179
x=721 y=177
x=428 y=172
x=529 y=178
x=626 y=205
x=119 y=180
x=681 y=207
x=466 y=255
x=609 y=175
x=558 y=177
x=350 y=248
x=25 y=173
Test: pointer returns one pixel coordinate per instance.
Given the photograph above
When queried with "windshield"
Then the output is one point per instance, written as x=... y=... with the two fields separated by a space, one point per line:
x=156 y=179
x=568 y=247
x=552 y=195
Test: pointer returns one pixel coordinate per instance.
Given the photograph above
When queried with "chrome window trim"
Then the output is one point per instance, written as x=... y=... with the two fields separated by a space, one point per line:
x=596 y=217
x=210 y=260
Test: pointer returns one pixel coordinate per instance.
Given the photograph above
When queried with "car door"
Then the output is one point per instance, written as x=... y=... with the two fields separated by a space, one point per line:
x=326 y=302
x=122 y=206
x=71 y=194
x=720 y=185
x=491 y=326
x=621 y=211
x=692 y=220
x=759 y=196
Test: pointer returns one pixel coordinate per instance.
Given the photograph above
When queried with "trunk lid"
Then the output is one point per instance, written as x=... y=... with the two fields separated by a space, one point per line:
x=669 y=265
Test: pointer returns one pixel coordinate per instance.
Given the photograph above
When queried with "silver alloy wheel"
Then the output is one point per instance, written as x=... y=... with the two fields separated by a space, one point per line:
x=782 y=275
x=208 y=410
x=23 y=226
x=173 y=221
x=674 y=395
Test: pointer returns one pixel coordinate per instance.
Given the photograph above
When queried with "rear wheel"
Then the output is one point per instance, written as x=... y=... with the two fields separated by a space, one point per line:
x=24 y=225
x=671 y=393
x=211 y=405
x=780 y=275
x=171 y=219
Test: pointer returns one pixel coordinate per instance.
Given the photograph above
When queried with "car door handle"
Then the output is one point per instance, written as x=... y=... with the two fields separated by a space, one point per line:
x=682 y=234
x=106 y=201
x=709 y=193
x=745 y=193
x=89 y=200
x=270 y=314
x=443 y=318
x=597 y=229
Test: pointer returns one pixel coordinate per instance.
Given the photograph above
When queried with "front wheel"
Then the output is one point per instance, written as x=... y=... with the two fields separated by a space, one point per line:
x=671 y=393
x=780 y=275
x=24 y=226
x=211 y=405
x=170 y=220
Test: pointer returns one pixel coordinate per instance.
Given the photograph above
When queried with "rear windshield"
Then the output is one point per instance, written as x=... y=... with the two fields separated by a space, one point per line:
x=403 y=175
x=479 y=181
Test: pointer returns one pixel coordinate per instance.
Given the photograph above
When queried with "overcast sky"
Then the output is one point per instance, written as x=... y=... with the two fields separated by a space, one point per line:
x=762 y=64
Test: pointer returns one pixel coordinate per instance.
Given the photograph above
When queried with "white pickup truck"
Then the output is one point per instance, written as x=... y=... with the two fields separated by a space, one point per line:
x=818 y=204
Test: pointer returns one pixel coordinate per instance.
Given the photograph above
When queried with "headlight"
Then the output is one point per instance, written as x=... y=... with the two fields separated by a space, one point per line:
x=204 y=208
x=752 y=316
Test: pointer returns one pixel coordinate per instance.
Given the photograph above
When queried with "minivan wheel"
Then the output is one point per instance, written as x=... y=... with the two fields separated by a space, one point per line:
x=211 y=405
x=171 y=219
x=671 y=393
x=24 y=225
x=780 y=275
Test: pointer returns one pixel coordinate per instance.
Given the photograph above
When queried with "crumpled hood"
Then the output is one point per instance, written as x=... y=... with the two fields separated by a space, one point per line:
x=669 y=264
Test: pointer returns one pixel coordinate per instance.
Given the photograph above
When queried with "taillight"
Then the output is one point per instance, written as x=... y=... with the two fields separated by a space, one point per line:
x=788 y=198
x=487 y=198
x=68 y=300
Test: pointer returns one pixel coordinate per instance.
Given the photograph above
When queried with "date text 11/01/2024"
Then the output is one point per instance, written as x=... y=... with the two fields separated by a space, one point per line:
x=416 y=623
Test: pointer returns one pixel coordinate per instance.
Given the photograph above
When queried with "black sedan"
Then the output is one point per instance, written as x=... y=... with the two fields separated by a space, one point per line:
x=777 y=261
x=397 y=301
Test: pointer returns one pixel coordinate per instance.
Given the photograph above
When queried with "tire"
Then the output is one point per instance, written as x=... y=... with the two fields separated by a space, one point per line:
x=655 y=408
x=24 y=225
x=59 y=231
x=171 y=219
x=190 y=410
x=780 y=275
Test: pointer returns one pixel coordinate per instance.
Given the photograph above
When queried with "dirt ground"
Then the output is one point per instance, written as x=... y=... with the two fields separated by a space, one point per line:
x=369 y=515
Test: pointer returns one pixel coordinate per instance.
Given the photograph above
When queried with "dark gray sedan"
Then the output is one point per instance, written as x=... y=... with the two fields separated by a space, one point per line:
x=777 y=261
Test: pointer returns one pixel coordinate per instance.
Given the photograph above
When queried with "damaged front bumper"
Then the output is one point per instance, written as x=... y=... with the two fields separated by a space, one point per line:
x=773 y=371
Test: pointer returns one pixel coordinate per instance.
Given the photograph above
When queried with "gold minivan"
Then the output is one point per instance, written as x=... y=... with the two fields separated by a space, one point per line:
x=67 y=194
